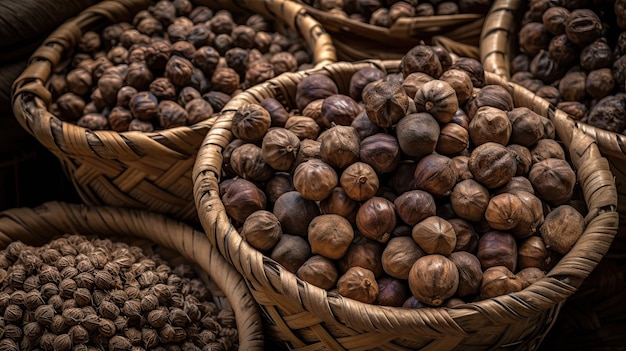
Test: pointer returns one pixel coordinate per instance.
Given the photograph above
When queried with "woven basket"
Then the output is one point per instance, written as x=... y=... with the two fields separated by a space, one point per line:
x=132 y=169
x=37 y=226
x=356 y=40
x=498 y=39
x=309 y=318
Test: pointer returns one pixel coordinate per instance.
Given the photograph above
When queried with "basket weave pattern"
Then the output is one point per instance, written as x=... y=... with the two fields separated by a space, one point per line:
x=309 y=318
x=131 y=169
x=36 y=226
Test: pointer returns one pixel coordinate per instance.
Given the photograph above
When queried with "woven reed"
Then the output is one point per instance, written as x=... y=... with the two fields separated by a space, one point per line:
x=309 y=318
x=36 y=226
x=132 y=169
x=356 y=40
x=497 y=46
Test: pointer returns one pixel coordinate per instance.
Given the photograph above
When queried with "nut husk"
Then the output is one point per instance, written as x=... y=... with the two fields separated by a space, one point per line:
x=433 y=279
x=385 y=103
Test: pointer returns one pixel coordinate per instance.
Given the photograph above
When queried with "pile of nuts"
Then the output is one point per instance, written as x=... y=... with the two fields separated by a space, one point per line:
x=386 y=13
x=425 y=187
x=77 y=294
x=573 y=54
x=173 y=66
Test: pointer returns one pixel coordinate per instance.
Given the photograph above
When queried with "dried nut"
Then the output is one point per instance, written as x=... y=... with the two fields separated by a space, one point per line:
x=385 y=102
x=532 y=252
x=294 y=213
x=315 y=179
x=392 y=291
x=262 y=230
x=280 y=148
x=553 y=180
x=376 y=219
x=278 y=113
x=359 y=181
x=433 y=279
x=399 y=255
x=435 y=174
x=242 y=199
x=361 y=78
x=291 y=252
x=359 y=284
x=365 y=253
x=492 y=164
x=339 y=146
x=453 y=139
x=435 y=235
x=247 y=162
x=529 y=276
x=470 y=272
x=319 y=271
x=381 y=151
x=497 y=281
x=330 y=235
x=313 y=87
x=497 y=248
x=490 y=124
x=414 y=81
x=339 y=109
x=418 y=134
x=414 y=206
x=421 y=58
x=338 y=202
x=438 y=98
x=562 y=228
x=504 y=211
x=469 y=200
x=466 y=236
x=303 y=127
x=250 y=122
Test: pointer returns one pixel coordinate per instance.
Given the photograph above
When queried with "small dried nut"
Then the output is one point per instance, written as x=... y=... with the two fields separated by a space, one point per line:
x=438 y=98
x=490 y=124
x=251 y=122
x=529 y=276
x=279 y=184
x=291 y=252
x=532 y=252
x=338 y=202
x=262 y=230
x=314 y=87
x=330 y=235
x=315 y=179
x=399 y=255
x=376 y=219
x=381 y=151
x=62 y=342
x=533 y=37
x=414 y=81
x=418 y=134
x=303 y=127
x=364 y=253
x=339 y=109
x=392 y=291
x=497 y=248
x=171 y=114
x=259 y=71
x=435 y=235
x=421 y=58
x=469 y=200
x=504 y=211
x=295 y=212
x=553 y=180
x=433 y=279
x=562 y=228
x=225 y=79
x=359 y=181
x=138 y=76
x=359 y=284
x=242 y=198
x=362 y=78
x=466 y=236
x=497 y=281
x=435 y=174
x=93 y=121
x=339 y=146
x=247 y=162
x=198 y=110
x=492 y=164
x=473 y=67
x=583 y=26
x=385 y=103
x=470 y=272
x=490 y=95
x=144 y=106
x=414 y=206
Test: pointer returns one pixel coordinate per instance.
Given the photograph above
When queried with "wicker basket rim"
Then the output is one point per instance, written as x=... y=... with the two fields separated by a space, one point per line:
x=30 y=98
x=58 y=218
x=601 y=228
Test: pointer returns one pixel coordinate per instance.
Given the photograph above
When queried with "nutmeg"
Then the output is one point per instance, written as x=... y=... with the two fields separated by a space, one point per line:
x=319 y=271
x=418 y=134
x=453 y=139
x=385 y=102
x=376 y=219
x=421 y=58
x=330 y=235
x=433 y=279
x=304 y=127
x=339 y=146
x=469 y=200
x=414 y=206
x=466 y=236
x=362 y=78
x=497 y=248
x=247 y=162
x=381 y=151
x=315 y=179
x=262 y=230
x=435 y=235
x=553 y=180
x=438 y=98
x=339 y=109
x=435 y=174
x=492 y=164
x=562 y=228
x=250 y=122
x=490 y=124
x=294 y=213
x=490 y=95
x=532 y=252
x=470 y=272
x=242 y=199
x=359 y=181
x=313 y=87
x=363 y=252
x=529 y=276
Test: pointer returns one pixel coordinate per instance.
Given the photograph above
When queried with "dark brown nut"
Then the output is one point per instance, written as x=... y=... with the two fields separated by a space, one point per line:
x=547 y=148
x=314 y=87
x=490 y=124
x=437 y=98
x=504 y=211
x=242 y=198
x=470 y=272
x=460 y=81
x=600 y=83
x=523 y=157
x=435 y=174
x=200 y=35
x=339 y=203
x=284 y=62
x=418 y=134
x=575 y=109
x=400 y=9
x=562 y=50
x=532 y=252
x=447 y=8
x=133 y=37
x=381 y=151
x=200 y=14
x=497 y=248
x=359 y=181
x=473 y=67
x=79 y=81
x=553 y=180
x=280 y=148
x=392 y=291
x=376 y=219
x=526 y=126
x=247 y=161
x=608 y=114
x=124 y=95
x=237 y=59
x=93 y=121
x=164 y=11
x=279 y=184
x=499 y=281
x=461 y=162
x=179 y=71
x=399 y=255
x=362 y=78
x=97 y=100
x=583 y=27
x=492 y=164
x=545 y=68
x=262 y=230
x=490 y=95
x=222 y=43
x=414 y=81
x=314 y=179
x=217 y=99
x=251 y=122
x=157 y=54
x=222 y=23
x=314 y=110
x=444 y=57
x=421 y=58
x=359 y=284
x=562 y=228
x=385 y=103
x=291 y=252
x=365 y=253
x=144 y=106
x=70 y=107
x=534 y=37
x=303 y=127
x=259 y=71
x=319 y=271
x=433 y=279
x=521 y=63
x=140 y=126
x=139 y=76
x=554 y=20
x=295 y=212
x=171 y=114
x=424 y=9
x=330 y=235
x=163 y=89
x=414 y=206
x=278 y=113
x=434 y=235
x=119 y=119
x=198 y=110
x=339 y=109
x=469 y=200
x=549 y=93
x=573 y=86
x=529 y=276
x=225 y=79
x=206 y=58
x=596 y=55
x=339 y=146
